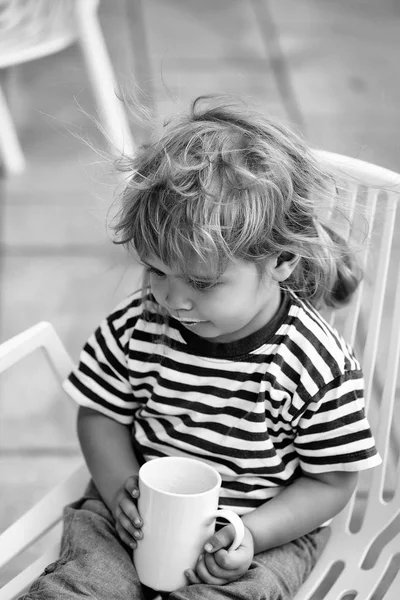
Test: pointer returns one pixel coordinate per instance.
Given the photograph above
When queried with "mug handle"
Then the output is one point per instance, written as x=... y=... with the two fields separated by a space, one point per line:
x=237 y=523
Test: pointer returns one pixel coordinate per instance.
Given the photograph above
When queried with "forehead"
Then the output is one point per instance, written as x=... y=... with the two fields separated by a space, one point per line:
x=192 y=267
x=196 y=269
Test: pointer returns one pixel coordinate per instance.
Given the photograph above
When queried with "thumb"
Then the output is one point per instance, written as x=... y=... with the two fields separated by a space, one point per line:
x=221 y=539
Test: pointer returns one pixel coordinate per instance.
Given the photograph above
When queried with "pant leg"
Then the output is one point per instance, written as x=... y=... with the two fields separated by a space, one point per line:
x=93 y=562
x=276 y=574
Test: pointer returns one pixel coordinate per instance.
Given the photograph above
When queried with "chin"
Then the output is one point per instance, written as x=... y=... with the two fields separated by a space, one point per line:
x=222 y=337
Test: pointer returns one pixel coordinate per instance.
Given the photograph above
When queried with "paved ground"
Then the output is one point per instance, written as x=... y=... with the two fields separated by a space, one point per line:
x=330 y=68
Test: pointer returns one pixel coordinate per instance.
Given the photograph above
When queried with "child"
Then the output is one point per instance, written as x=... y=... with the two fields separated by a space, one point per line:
x=222 y=356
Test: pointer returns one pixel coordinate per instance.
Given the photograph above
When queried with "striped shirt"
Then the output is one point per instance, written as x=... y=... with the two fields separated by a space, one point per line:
x=261 y=410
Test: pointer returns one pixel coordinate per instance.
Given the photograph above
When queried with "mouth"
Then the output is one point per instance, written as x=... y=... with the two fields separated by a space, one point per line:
x=189 y=322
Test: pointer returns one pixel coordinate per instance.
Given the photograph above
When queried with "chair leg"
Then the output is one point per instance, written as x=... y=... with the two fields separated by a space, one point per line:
x=11 y=155
x=140 y=53
x=277 y=62
x=102 y=78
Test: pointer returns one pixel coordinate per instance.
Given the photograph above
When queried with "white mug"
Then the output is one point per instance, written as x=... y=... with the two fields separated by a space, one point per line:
x=178 y=504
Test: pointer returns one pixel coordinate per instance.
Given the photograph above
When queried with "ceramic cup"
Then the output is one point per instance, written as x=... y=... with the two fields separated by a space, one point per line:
x=178 y=504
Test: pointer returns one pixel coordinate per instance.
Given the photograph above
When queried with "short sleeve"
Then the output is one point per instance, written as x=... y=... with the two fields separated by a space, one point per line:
x=333 y=433
x=101 y=379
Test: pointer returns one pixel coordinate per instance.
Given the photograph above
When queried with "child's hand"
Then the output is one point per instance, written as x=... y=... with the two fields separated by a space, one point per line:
x=127 y=519
x=219 y=566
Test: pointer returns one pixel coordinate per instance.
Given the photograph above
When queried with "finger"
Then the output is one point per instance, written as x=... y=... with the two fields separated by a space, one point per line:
x=125 y=536
x=213 y=567
x=127 y=524
x=227 y=560
x=129 y=508
x=204 y=574
x=221 y=539
x=192 y=577
x=222 y=561
x=131 y=486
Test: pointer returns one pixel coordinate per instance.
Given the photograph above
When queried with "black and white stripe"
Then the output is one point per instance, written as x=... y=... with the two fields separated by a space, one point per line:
x=294 y=402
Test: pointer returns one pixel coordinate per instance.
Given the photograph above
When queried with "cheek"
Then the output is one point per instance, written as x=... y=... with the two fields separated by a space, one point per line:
x=223 y=307
x=157 y=287
x=241 y=298
x=242 y=304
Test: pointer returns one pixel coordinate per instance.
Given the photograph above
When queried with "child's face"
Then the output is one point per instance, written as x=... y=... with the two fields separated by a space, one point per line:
x=239 y=304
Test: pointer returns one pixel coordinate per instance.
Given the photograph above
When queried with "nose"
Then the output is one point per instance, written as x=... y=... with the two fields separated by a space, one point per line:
x=178 y=296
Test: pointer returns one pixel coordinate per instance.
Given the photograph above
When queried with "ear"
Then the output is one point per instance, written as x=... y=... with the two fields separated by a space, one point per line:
x=284 y=266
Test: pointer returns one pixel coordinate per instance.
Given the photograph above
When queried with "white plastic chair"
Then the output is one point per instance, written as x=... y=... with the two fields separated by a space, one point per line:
x=32 y=29
x=47 y=513
x=351 y=565
x=361 y=558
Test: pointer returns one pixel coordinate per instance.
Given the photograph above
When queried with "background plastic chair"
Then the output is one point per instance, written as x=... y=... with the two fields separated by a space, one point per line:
x=32 y=29
x=362 y=554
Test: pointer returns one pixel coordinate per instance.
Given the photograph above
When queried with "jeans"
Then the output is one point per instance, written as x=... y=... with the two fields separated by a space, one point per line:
x=94 y=563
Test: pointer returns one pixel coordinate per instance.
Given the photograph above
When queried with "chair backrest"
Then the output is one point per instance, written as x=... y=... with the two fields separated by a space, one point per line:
x=361 y=559
x=31 y=29
x=47 y=513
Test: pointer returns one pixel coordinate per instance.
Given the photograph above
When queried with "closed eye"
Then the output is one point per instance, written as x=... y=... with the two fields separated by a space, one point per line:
x=202 y=285
x=155 y=272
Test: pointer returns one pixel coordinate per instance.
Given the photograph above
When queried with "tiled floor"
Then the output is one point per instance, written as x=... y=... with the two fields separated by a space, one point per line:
x=330 y=68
